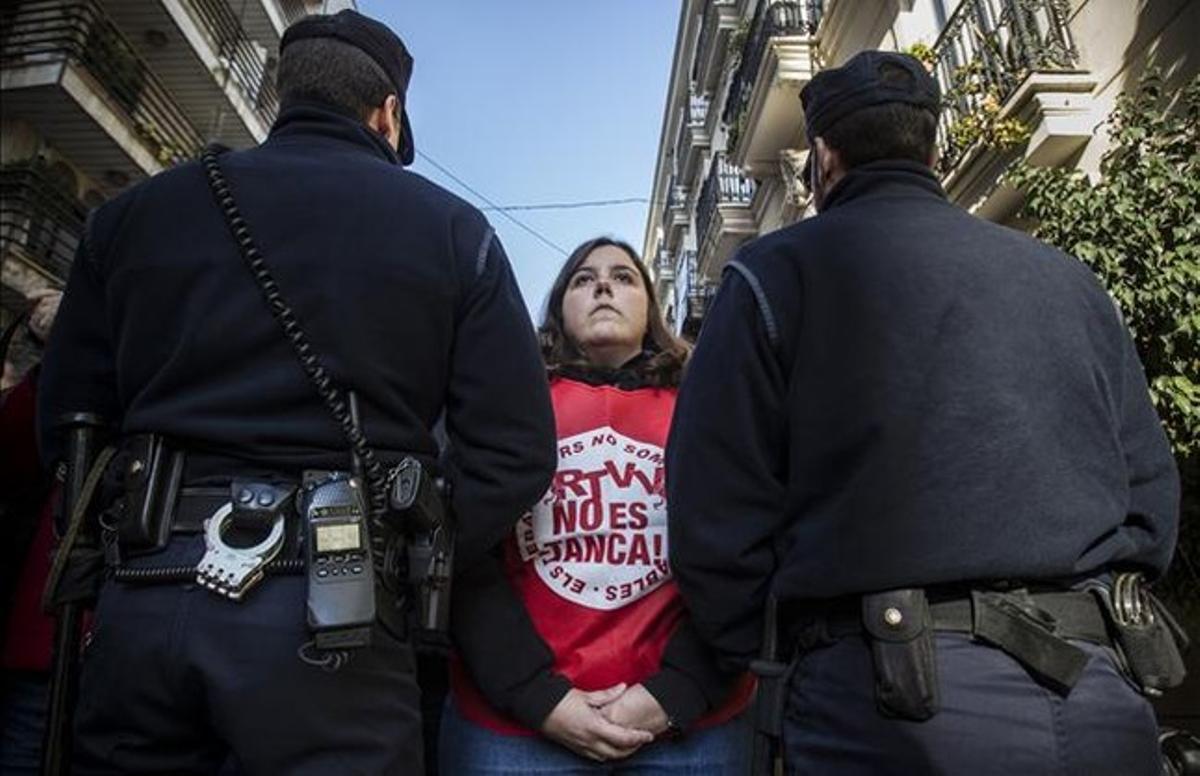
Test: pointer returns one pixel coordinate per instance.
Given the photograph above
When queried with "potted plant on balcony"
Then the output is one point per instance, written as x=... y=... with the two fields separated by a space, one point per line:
x=983 y=122
x=115 y=64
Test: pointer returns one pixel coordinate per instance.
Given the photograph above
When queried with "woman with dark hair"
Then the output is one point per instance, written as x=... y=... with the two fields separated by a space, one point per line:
x=576 y=631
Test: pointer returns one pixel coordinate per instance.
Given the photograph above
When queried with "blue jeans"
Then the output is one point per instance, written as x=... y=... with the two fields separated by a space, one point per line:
x=468 y=749
x=994 y=719
x=26 y=696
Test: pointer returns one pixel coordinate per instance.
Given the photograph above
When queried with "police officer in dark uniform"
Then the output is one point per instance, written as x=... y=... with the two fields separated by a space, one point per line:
x=409 y=308
x=930 y=438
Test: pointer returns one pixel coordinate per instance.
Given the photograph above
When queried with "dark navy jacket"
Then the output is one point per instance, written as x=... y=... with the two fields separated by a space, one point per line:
x=894 y=394
x=404 y=291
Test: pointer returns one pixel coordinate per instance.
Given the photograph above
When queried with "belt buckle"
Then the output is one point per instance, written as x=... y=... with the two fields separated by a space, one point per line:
x=230 y=571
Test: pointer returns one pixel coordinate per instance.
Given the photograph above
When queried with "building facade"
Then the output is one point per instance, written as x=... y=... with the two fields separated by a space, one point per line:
x=732 y=142
x=99 y=94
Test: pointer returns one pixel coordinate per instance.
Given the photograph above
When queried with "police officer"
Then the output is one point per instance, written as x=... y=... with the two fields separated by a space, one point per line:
x=930 y=438
x=407 y=300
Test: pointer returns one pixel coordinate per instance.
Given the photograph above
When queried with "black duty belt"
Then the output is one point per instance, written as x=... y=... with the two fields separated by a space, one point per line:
x=1033 y=624
x=196 y=505
x=1034 y=628
x=188 y=515
x=1068 y=614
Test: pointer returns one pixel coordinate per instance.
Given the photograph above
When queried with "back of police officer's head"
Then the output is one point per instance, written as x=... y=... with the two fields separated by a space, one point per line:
x=352 y=63
x=332 y=72
x=878 y=106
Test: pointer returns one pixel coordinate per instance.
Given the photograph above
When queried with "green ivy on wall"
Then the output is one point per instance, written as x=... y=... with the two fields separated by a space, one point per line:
x=1138 y=228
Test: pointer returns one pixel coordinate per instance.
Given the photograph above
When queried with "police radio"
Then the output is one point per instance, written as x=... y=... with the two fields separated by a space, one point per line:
x=341 y=578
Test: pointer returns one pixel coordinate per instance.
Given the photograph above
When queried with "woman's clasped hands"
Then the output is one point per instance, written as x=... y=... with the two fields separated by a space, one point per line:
x=606 y=724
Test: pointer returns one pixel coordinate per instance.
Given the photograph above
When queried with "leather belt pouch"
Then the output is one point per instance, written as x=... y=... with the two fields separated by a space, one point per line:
x=1152 y=649
x=151 y=474
x=900 y=630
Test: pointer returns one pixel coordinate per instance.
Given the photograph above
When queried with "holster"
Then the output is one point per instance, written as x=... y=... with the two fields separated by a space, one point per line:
x=148 y=473
x=418 y=507
x=1150 y=642
x=900 y=629
x=1012 y=622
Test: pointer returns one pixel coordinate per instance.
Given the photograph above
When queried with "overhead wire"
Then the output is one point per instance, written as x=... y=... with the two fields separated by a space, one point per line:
x=545 y=240
x=573 y=205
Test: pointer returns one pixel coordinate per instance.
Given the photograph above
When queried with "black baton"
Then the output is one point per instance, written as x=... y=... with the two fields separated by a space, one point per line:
x=83 y=434
x=769 y=697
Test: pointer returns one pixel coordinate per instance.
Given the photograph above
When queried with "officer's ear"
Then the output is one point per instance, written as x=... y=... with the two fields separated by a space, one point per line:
x=826 y=170
x=828 y=166
x=386 y=120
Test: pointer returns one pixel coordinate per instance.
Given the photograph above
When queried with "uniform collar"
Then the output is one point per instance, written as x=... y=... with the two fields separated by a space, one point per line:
x=891 y=177
x=305 y=118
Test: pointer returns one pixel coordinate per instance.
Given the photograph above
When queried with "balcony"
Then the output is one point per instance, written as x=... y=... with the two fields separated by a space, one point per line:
x=683 y=277
x=293 y=10
x=204 y=52
x=693 y=294
x=1012 y=85
x=663 y=274
x=664 y=266
x=693 y=136
x=678 y=215
x=68 y=70
x=40 y=227
x=763 y=107
x=723 y=214
x=849 y=26
x=267 y=19
x=244 y=60
x=712 y=47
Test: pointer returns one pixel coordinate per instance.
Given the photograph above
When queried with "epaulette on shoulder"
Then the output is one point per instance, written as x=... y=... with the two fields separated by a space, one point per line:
x=770 y=322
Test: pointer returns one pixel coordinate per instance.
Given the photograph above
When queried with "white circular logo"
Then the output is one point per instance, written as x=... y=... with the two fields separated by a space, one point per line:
x=598 y=537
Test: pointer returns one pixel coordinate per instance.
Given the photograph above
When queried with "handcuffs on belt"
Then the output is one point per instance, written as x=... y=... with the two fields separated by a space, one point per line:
x=232 y=571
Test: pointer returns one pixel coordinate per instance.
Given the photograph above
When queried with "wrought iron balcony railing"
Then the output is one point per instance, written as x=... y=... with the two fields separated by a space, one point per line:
x=772 y=18
x=677 y=195
x=692 y=294
x=685 y=270
x=700 y=294
x=697 y=109
x=42 y=31
x=724 y=185
x=682 y=278
x=692 y=119
x=244 y=61
x=986 y=50
x=664 y=266
x=293 y=10
x=39 y=219
x=708 y=32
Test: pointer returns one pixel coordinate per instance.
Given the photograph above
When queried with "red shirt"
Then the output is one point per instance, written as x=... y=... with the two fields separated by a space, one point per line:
x=590 y=560
x=29 y=634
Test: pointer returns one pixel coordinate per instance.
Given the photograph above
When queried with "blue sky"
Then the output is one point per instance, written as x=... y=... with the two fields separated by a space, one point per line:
x=537 y=101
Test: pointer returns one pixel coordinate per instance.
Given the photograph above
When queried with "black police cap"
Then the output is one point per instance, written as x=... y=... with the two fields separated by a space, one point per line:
x=868 y=78
x=378 y=42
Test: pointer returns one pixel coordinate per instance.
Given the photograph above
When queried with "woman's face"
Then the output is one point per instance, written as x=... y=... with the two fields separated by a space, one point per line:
x=605 y=305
